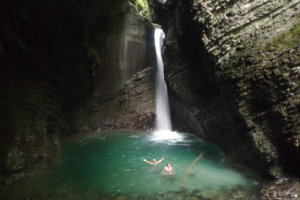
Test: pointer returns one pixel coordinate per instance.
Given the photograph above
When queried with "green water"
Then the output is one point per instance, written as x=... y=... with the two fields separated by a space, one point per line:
x=111 y=165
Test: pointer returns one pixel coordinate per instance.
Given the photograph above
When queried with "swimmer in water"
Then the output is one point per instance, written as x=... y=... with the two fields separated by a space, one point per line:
x=168 y=170
x=154 y=162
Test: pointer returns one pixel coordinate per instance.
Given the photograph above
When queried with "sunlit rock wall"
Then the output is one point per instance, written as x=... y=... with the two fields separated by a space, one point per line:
x=124 y=91
x=221 y=86
x=230 y=23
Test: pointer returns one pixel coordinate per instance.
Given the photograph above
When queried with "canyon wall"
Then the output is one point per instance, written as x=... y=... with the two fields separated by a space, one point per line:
x=232 y=70
x=123 y=95
x=61 y=63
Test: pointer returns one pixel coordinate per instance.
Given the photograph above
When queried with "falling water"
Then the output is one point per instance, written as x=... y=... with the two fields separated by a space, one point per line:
x=162 y=1
x=163 y=122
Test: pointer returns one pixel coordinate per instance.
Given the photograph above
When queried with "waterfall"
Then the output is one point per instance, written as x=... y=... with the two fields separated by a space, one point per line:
x=163 y=121
x=162 y=1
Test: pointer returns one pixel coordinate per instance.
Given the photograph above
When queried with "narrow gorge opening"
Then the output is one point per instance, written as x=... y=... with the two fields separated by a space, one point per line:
x=115 y=164
x=84 y=99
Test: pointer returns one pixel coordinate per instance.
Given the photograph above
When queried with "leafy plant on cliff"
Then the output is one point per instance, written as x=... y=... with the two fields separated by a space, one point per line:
x=142 y=7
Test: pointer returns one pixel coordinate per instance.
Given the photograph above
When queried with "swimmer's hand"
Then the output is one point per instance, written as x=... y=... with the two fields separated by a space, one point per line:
x=144 y=159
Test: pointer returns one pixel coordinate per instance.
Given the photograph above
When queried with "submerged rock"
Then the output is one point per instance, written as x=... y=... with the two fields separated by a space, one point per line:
x=282 y=188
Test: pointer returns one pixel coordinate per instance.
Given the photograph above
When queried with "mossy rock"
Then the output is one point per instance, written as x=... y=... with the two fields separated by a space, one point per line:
x=15 y=160
x=277 y=72
x=286 y=40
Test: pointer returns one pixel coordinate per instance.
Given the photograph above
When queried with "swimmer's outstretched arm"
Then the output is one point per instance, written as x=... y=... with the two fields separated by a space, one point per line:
x=161 y=160
x=146 y=161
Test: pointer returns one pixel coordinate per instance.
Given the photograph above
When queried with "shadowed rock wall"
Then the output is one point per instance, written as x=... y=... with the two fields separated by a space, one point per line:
x=60 y=62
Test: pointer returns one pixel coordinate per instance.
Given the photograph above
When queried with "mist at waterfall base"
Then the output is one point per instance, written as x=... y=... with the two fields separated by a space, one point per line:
x=109 y=165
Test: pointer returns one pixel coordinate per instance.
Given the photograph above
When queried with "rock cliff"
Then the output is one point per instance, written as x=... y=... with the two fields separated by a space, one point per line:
x=232 y=71
x=61 y=63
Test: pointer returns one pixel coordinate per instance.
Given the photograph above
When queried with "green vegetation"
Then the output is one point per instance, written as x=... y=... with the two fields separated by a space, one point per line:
x=142 y=7
x=254 y=61
x=251 y=53
x=296 y=30
x=285 y=41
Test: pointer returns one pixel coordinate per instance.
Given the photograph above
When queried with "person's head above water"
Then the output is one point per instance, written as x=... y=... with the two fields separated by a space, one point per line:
x=168 y=170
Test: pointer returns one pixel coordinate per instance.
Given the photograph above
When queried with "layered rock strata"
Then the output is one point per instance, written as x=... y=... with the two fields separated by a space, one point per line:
x=229 y=23
x=224 y=87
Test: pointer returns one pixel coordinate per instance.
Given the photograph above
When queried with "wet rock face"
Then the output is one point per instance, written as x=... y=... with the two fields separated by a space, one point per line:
x=223 y=85
x=60 y=60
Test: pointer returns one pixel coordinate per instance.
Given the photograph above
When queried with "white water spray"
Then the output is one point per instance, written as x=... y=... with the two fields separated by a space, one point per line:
x=162 y=1
x=163 y=120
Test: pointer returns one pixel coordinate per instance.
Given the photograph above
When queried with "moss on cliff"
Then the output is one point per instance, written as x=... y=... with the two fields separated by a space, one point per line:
x=266 y=82
x=253 y=52
x=286 y=40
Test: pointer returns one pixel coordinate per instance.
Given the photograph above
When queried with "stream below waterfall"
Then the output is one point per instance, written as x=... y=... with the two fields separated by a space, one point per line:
x=110 y=166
